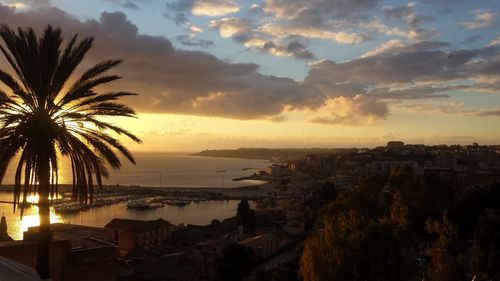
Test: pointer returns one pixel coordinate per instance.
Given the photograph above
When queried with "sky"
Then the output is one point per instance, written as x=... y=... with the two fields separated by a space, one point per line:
x=215 y=74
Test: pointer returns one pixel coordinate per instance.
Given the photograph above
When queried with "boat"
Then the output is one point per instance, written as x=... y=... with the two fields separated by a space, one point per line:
x=68 y=208
x=138 y=205
x=178 y=203
x=143 y=205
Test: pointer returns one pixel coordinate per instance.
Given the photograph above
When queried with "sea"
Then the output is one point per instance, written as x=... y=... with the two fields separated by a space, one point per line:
x=165 y=170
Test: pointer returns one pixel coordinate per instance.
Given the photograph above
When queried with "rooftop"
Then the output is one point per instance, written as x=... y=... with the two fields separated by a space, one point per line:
x=137 y=225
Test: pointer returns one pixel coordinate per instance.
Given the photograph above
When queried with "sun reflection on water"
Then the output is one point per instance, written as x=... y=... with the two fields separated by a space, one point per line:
x=16 y=224
x=34 y=220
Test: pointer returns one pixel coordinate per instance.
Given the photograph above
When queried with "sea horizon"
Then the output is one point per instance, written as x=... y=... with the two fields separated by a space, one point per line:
x=171 y=170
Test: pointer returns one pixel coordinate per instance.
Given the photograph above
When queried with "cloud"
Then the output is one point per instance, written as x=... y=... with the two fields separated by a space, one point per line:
x=489 y=112
x=242 y=31
x=214 y=8
x=286 y=25
x=407 y=14
x=22 y=4
x=229 y=27
x=292 y=49
x=424 y=61
x=422 y=70
x=494 y=42
x=302 y=10
x=359 y=110
x=16 y=5
x=180 y=5
x=173 y=80
x=386 y=47
x=433 y=108
x=211 y=8
x=189 y=40
x=376 y=25
x=277 y=30
x=128 y=4
x=445 y=108
x=255 y=8
x=482 y=19
x=315 y=19
x=413 y=21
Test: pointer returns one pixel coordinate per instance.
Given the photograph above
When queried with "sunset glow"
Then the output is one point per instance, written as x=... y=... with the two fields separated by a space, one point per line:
x=228 y=74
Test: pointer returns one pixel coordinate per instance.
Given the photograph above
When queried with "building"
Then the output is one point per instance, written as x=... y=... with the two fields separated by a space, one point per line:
x=278 y=170
x=265 y=245
x=24 y=252
x=395 y=144
x=130 y=234
x=93 y=259
x=73 y=233
x=4 y=236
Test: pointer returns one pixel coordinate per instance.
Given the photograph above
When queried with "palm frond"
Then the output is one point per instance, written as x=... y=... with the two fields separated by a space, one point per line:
x=35 y=111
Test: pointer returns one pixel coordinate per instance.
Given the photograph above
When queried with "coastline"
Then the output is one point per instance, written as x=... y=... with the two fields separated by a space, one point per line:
x=230 y=192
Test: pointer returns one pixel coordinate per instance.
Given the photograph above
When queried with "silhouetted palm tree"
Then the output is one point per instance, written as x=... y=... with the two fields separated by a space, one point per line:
x=43 y=115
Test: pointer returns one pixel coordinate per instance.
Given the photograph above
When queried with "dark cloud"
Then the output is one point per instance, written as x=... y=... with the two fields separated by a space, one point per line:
x=412 y=19
x=293 y=48
x=308 y=17
x=128 y=4
x=180 y=18
x=424 y=61
x=243 y=31
x=319 y=19
x=177 y=11
x=407 y=14
x=173 y=80
x=415 y=72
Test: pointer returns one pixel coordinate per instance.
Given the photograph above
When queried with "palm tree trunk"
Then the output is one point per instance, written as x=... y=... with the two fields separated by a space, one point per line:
x=44 y=236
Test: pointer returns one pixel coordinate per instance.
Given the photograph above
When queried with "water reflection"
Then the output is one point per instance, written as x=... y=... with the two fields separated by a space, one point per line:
x=34 y=220
x=196 y=213
x=16 y=226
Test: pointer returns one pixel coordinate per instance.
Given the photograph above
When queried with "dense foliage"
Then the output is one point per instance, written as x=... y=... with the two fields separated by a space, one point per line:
x=405 y=227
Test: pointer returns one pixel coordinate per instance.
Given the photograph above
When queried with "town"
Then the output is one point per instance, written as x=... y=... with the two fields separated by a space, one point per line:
x=266 y=236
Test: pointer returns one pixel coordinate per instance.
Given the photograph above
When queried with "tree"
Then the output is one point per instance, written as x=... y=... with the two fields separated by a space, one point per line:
x=471 y=207
x=486 y=247
x=352 y=247
x=444 y=264
x=236 y=263
x=43 y=117
x=327 y=193
x=277 y=274
x=246 y=216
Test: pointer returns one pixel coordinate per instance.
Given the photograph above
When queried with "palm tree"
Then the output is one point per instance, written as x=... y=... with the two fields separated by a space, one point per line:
x=45 y=115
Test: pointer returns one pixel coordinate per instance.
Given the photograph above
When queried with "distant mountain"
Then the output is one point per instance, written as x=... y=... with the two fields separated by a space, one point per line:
x=266 y=153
